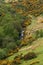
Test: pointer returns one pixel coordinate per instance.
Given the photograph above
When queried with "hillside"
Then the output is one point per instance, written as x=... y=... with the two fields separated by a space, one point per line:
x=21 y=32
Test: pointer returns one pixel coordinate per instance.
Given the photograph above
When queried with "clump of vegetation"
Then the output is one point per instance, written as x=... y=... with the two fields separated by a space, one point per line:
x=30 y=56
x=17 y=60
x=39 y=33
x=3 y=54
x=35 y=62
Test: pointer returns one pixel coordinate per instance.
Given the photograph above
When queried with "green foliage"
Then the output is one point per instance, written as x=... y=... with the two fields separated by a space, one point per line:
x=3 y=54
x=10 y=28
x=11 y=46
x=39 y=33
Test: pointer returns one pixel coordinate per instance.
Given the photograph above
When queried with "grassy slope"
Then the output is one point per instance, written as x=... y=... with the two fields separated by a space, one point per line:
x=38 y=49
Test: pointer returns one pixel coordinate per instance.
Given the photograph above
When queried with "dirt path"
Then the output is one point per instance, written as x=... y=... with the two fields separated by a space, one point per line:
x=30 y=47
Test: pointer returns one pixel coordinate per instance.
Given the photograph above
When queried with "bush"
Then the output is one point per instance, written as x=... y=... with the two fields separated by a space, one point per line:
x=11 y=46
x=29 y=56
x=3 y=54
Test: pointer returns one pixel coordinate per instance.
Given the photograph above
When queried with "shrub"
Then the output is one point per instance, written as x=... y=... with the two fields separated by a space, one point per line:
x=3 y=54
x=11 y=46
x=29 y=56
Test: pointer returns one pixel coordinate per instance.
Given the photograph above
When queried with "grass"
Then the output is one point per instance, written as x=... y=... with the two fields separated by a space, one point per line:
x=38 y=50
